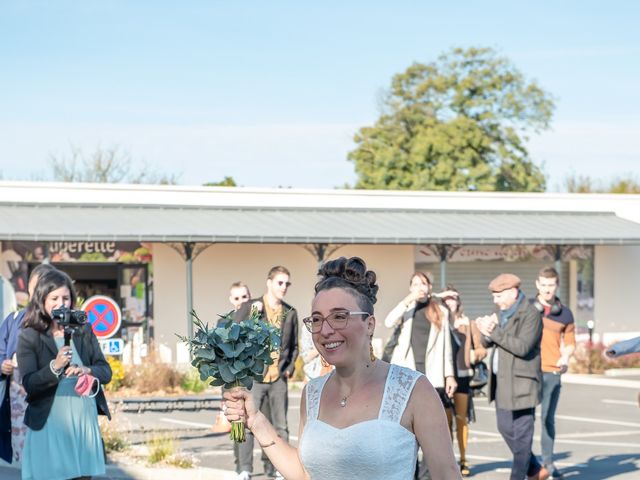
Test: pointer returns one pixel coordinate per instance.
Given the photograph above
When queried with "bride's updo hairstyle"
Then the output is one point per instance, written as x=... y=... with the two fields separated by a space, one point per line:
x=350 y=274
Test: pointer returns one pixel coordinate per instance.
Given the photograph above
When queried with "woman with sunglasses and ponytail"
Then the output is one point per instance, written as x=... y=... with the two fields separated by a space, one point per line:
x=365 y=419
x=424 y=343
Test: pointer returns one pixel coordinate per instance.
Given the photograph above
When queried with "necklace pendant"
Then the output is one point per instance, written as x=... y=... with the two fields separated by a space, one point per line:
x=343 y=402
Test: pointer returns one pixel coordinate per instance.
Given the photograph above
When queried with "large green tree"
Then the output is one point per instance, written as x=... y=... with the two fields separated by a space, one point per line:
x=459 y=123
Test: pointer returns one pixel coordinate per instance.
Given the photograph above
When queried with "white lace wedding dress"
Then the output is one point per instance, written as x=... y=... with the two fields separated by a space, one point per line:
x=378 y=449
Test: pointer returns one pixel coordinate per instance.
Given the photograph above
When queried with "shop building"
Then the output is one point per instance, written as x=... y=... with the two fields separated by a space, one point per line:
x=159 y=251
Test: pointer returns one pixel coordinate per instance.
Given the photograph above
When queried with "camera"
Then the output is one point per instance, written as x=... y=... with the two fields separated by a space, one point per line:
x=69 y=318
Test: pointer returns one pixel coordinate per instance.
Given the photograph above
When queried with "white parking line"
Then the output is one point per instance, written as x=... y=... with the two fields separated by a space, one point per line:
x=596 y=420
x=500 y=459
x=566 y=438
x=599 y=444
x=578 y=419
x=620 y=402
x=598 y=434
x=189 y=424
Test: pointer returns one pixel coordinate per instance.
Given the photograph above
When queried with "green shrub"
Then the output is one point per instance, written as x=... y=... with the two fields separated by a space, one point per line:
x=114 y=432
x=181 y=461
x=152 y=376
x=191 y=381
x=160 y=448
x=599 y=362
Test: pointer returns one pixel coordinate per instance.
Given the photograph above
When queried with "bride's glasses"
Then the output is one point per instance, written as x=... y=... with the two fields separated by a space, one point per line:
x=337 y=320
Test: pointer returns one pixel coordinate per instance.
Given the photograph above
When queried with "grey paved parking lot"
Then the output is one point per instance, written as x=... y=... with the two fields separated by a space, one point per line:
x=598 y=436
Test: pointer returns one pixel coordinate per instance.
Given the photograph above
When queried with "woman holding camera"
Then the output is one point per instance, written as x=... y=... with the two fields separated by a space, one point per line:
x=63 y=440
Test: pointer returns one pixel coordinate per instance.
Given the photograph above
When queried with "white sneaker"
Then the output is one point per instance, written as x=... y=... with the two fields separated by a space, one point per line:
x=244 y=475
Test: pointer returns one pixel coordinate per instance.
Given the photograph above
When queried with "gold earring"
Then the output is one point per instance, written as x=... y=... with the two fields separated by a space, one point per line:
x=324 y=362
x=371 y=354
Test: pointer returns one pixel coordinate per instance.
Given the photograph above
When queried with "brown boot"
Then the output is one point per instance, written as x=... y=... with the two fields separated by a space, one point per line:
x=542 y=474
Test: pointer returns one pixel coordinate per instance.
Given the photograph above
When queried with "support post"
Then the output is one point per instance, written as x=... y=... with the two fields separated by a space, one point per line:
x=442 y=250
x=558 y=260
x=188 y=253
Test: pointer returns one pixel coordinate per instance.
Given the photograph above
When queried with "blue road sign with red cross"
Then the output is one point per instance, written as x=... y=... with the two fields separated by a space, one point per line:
x=104 y=315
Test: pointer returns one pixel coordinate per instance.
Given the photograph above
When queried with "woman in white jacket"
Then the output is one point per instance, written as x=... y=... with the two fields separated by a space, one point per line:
x=424 y=343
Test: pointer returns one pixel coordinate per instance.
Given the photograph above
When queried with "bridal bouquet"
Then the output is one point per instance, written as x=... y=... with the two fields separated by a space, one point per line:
x=233 y=354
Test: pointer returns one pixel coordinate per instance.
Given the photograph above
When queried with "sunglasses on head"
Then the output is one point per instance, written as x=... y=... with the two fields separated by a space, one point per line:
x=244 y=297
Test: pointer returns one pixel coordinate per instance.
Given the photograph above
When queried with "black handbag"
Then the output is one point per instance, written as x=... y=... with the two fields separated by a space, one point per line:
x=392 y=343
x=480 y=375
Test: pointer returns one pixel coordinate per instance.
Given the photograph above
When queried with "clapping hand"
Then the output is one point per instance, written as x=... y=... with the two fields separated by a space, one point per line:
x=7 y=367
x=486 y=324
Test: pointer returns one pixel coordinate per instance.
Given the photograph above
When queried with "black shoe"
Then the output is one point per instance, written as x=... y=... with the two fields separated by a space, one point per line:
x=554 y=472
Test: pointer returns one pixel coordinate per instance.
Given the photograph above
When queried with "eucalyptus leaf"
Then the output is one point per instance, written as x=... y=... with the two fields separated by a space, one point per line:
x=234 y=332
x=247 y=382
x=205 y=353
x=217 y=382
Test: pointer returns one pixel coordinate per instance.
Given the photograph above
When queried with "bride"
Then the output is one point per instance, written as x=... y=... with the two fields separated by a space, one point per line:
x=366 y=418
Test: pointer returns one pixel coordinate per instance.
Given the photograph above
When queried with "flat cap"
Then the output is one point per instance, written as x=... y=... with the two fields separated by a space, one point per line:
x=504 y=281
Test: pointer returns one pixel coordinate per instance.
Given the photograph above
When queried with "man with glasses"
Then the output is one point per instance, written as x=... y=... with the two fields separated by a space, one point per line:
x=271 y=395
x=238 y=294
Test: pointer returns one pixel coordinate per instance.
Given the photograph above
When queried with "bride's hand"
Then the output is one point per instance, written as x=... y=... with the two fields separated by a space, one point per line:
x=240 y=406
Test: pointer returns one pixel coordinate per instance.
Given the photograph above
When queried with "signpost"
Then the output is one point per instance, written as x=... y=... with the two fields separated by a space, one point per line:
x=104 y=315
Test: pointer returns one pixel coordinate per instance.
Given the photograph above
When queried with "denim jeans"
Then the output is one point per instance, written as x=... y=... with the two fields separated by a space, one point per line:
x=551 y=385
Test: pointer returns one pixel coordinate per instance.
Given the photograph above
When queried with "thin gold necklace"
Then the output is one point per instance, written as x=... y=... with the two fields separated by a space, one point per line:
x=343 y=401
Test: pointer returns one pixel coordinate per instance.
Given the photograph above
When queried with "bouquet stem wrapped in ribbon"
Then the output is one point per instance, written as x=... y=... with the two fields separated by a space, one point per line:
x=233 y=354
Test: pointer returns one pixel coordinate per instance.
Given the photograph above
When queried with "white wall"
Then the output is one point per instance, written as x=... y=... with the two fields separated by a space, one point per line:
x=216 y=268
x=617 y=296
x=169 y=296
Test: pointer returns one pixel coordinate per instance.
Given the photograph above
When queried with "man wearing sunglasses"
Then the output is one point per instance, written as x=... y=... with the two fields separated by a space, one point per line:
x=239 y=293
x=271 y=394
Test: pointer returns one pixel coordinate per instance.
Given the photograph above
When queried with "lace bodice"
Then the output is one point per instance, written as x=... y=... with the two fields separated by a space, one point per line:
x=377 y=449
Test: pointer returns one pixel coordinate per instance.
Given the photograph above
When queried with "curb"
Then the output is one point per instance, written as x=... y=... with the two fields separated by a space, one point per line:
x=622 y=372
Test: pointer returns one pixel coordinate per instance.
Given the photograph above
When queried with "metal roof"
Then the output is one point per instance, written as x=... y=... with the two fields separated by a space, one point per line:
x=211 y=224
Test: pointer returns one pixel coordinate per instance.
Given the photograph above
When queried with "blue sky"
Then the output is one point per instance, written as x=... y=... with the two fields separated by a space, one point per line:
x=271 y=93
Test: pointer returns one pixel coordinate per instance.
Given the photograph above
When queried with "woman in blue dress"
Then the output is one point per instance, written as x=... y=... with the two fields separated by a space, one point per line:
x=63 y=441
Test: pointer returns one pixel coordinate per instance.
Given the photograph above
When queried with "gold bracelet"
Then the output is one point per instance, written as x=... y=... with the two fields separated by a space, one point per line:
x=273 y=442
